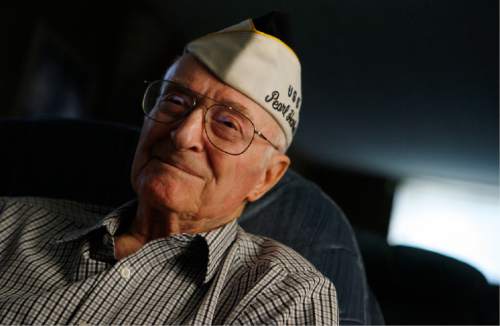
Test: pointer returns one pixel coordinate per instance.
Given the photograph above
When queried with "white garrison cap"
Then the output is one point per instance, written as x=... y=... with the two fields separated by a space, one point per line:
x=259 y=65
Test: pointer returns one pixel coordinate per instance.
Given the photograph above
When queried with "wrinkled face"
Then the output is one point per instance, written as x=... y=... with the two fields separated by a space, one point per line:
x=177 y=169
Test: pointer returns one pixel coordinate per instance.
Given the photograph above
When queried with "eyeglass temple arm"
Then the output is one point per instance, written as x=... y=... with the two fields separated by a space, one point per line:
x=265 y=138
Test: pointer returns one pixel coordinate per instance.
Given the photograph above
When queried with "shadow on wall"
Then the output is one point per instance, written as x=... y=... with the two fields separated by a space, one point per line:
x=90 y=63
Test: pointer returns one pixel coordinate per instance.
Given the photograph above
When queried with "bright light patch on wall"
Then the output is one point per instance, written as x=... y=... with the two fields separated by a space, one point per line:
x=458 y=219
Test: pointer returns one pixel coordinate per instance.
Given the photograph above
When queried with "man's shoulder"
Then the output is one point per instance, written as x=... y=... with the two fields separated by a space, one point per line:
x=277 y=272
x=79 y=214
x=259 y=250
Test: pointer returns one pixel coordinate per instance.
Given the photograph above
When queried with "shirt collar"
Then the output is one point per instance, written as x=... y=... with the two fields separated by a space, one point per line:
x=217 y=241
x=111 y=222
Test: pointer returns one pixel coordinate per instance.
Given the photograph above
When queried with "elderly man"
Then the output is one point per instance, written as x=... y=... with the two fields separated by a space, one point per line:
x=216 y=130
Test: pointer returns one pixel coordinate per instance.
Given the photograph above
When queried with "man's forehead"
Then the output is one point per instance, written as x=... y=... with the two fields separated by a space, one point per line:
x=190 y=73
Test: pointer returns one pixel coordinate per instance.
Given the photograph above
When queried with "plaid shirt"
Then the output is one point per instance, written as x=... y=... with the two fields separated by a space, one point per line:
x=57 y=266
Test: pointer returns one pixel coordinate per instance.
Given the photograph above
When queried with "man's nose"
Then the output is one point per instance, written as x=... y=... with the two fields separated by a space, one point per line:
x=188 y=134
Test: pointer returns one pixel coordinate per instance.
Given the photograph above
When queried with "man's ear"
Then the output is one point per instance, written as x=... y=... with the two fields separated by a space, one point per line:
x=276 y=168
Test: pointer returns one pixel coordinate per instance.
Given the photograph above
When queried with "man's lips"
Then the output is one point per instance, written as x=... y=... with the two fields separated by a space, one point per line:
x=177 y=165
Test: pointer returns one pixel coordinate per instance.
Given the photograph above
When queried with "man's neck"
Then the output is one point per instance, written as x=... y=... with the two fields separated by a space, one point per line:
x=150 y=224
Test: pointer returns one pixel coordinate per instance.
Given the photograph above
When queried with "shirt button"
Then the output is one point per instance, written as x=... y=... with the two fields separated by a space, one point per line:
x=125 y=272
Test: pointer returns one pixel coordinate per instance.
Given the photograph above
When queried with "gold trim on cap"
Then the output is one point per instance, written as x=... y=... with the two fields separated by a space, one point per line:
x=255 y=30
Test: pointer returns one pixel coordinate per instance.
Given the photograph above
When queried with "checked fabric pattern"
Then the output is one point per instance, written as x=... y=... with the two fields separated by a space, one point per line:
x=57 y=266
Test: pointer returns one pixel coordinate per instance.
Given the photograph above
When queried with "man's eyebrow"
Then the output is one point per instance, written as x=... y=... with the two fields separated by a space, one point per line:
x=238 y=107
x=179 y=83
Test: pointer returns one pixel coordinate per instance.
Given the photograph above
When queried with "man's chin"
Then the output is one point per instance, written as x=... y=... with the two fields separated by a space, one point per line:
x=167 y=194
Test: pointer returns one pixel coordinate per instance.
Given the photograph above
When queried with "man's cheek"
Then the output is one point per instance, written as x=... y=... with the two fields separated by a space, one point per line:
x=140 y=161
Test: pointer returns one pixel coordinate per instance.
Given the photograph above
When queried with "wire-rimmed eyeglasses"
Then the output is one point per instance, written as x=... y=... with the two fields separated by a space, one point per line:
x=228 y=129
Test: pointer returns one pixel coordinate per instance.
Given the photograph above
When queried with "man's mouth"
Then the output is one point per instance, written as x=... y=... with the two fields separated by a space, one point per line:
x=177 y=165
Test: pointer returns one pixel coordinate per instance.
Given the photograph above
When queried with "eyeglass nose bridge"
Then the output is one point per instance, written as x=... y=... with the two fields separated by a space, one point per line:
x=196 y=106
x=190 y=130
x=199 y=102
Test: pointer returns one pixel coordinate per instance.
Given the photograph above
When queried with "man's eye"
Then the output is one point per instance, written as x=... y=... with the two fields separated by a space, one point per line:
x=174 y=104
x=176 y=99
x=228 y=123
